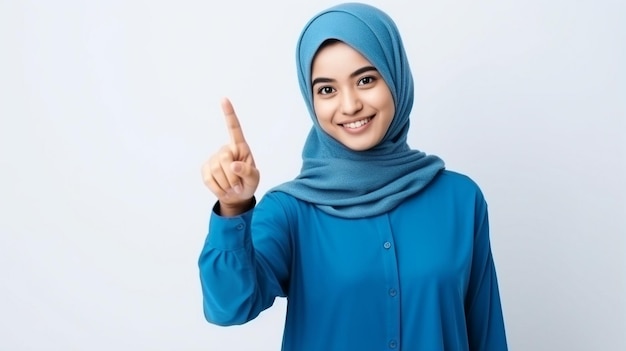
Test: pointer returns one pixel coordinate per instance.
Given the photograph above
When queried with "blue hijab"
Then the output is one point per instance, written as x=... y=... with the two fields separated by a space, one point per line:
x=336 y=179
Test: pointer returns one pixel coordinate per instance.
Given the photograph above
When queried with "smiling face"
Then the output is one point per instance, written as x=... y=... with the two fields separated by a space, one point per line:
x=352 y=102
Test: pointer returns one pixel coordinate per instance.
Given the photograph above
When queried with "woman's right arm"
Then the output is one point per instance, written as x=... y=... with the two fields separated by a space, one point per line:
x=240 y=278
x=242 y=272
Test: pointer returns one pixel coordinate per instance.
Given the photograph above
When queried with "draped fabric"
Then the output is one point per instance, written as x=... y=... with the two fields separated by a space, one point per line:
x=338 y=180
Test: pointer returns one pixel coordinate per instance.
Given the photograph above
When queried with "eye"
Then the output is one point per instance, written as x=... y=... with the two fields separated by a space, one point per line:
x=325 y=90
x=367 y=80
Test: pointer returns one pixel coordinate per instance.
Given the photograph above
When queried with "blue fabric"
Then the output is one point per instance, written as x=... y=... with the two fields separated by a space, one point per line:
x=348 y=183
x=420 y=277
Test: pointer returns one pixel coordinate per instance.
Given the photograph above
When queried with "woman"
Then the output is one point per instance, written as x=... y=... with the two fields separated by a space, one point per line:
x=375 y=245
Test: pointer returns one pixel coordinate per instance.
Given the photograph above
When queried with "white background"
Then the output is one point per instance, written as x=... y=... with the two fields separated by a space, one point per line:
x=108 y=109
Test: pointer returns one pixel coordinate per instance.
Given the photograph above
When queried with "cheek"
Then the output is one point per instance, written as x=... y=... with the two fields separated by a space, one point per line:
x=387 y=104
x=387 y=100
x=323 y=110
x=388 y=107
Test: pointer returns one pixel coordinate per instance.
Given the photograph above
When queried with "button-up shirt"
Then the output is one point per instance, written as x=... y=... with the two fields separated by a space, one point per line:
x=420 y=277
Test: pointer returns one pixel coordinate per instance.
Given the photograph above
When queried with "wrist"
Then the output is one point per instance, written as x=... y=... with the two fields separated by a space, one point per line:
x=230 y=210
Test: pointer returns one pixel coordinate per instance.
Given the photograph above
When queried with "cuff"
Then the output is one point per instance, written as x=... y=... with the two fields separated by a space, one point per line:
x=230 y=233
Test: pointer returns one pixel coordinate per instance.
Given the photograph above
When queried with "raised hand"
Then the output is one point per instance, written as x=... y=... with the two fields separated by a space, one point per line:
x=231 y=173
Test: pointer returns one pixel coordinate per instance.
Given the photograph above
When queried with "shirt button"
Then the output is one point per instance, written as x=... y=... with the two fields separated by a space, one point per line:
x=392 y=292
x=387 y=245
x=239 y=226
x=393 y=344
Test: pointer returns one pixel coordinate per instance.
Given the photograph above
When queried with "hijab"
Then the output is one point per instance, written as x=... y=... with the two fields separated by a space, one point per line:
x=336 y=179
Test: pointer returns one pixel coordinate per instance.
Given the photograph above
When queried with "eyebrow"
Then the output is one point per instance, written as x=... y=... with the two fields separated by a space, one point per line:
x=352 y=75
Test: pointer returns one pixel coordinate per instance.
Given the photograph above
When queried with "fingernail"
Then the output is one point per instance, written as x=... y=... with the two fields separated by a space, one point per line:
x=236 y=167
x=237 y=189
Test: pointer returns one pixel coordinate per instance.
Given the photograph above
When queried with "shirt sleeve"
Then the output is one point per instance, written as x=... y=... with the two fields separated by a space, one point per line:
x=244 y=264
x=483 y=309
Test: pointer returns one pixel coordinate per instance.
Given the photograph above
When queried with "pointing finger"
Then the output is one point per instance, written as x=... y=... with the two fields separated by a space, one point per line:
x=232 y=122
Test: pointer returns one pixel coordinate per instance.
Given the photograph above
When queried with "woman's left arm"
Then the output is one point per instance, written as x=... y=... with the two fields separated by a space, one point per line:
x=483 y=310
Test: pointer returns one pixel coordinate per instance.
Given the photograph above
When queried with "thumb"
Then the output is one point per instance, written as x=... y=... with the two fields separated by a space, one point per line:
x=237 y=167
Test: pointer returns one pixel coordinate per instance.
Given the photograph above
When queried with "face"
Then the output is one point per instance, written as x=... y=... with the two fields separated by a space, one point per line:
x=352 y=102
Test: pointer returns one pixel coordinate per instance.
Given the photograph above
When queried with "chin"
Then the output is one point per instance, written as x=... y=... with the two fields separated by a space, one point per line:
x=360 y=147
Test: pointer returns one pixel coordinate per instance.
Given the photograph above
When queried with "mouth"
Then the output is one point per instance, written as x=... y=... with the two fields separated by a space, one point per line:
x=357 y=124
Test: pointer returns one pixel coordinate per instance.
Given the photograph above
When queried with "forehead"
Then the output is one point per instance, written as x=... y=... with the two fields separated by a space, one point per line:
x=337 y=57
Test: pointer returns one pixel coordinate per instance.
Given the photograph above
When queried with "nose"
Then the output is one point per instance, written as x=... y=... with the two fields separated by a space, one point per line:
x=350 y=102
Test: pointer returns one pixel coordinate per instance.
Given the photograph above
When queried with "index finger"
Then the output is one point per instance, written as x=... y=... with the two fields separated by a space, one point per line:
x=232 y=122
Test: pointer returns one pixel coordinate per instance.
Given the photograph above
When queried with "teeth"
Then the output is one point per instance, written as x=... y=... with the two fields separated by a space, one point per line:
x=357 y=124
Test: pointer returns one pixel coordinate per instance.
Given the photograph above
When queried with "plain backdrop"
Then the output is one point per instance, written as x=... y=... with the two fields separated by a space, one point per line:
x=109 y=108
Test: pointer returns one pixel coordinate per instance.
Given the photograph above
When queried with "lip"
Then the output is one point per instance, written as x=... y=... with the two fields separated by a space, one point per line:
x=358 y=129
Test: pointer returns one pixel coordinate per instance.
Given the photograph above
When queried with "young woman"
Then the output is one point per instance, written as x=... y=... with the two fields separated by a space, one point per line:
x=376 y=246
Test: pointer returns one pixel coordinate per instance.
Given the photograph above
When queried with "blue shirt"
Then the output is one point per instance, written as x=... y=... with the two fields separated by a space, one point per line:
x=420 y=277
